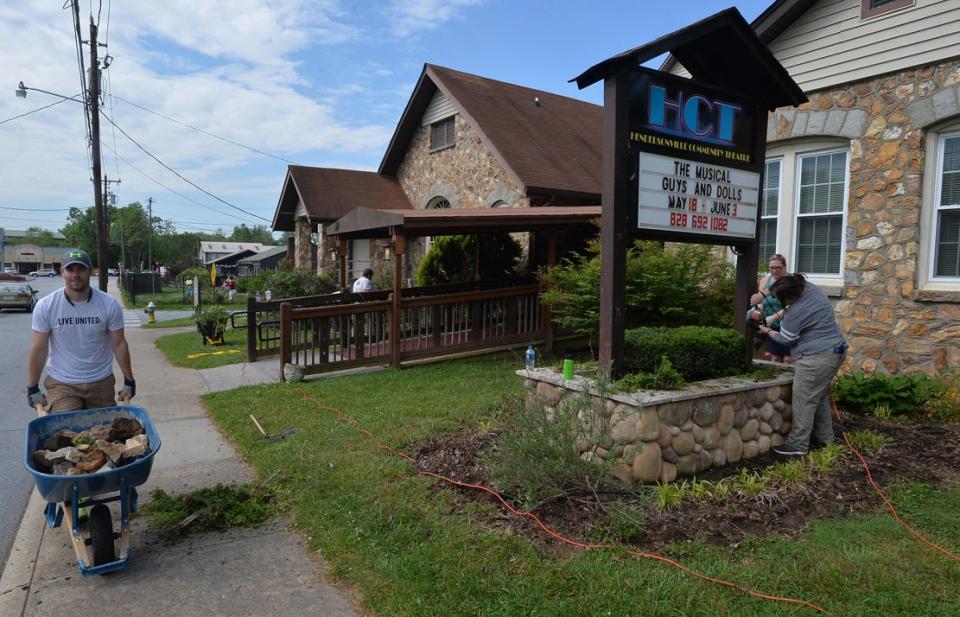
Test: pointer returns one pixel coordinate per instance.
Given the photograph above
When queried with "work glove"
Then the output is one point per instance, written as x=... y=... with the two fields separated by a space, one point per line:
x=771 y=319
x=36 y=397
x=128 y=390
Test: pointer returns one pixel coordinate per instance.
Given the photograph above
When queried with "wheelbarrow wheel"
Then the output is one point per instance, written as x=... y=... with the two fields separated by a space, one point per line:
x=101 y=535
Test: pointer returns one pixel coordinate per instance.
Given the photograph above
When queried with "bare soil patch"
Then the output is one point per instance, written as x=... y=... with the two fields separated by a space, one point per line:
x=925 y=452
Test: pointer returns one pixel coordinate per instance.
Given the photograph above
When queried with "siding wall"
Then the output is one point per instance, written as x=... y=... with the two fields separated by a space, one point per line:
x=830 y=45
x=439 y=108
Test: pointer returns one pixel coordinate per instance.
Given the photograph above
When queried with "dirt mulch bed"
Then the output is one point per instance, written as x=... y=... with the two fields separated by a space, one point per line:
x=925 y=452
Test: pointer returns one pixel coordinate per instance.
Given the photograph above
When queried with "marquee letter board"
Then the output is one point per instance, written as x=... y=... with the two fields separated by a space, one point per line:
x=698 y=153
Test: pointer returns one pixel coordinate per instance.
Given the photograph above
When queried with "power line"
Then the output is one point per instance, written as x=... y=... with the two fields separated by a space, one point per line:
x=207 y=133
x=73 y=98
x=37 y=209
x=176 y=173
x=181 y=195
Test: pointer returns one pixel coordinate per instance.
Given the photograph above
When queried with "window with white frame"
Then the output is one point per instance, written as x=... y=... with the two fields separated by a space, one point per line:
x=820 y=198
x=769 y=210
x=946 y=236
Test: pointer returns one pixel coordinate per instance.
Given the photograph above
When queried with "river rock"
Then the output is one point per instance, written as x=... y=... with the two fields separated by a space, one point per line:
x=749 y=430
x=41 y=462
x=675 y=413
x=779 y=404
x=733 y=446
x=669 y=455
x=725 y=420
x=705 y=411
x=719 y=457
x=646 y=467
x=668 y=472
x=766 y=410
x=623 y=472
x=711 y=437
x=135 y=446
x=750 y=448
x=773 y=393
x=665 y=438
x=625 y=430
x=697 y=433
x=740 y=417
x=648 y=428
x=683 y=443
x=775 y=421
x=765 y=429
x=764 y=443
x=787 y=412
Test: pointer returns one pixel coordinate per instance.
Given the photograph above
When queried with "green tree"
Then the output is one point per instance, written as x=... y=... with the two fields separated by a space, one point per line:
x=684 y=285
x=40 y=237
x=81 y=230
x=257 y=233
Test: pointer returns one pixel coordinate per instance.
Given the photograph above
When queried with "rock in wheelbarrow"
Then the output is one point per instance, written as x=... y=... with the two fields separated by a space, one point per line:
x=123 y=429
x=60 y=439
x=93 y=461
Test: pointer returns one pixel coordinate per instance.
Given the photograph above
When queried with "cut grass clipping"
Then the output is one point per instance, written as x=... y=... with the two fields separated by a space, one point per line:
x=212 y=509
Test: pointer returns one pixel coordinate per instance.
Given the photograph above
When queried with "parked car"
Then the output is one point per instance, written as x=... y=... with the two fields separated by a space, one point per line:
x=17 y=296
x=113 y=272
x=11 y=276
x=44 y=272
x=10 y=270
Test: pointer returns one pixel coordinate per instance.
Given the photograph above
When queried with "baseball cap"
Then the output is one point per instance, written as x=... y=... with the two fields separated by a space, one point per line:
x=76 y=257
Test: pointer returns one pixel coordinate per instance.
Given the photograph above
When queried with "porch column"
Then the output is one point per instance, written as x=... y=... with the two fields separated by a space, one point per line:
x=399 y=249
x=303 y=257
x=546 y=315
x=342 y=263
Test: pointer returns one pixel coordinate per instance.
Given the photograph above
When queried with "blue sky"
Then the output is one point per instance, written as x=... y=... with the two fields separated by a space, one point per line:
x=315 y=82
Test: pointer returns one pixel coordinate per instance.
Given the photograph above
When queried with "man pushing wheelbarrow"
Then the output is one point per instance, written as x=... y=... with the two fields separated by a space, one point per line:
x=77 y=332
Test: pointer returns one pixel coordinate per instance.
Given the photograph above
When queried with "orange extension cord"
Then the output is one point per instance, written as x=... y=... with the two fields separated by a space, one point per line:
x=876 y=488
x=548 y=530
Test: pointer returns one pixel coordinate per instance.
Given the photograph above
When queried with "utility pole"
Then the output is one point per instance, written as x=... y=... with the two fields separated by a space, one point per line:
x=153 y=277
x=110 y=199
x=94 y=90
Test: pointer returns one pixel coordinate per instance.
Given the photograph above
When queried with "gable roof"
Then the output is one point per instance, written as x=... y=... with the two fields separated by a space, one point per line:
x=768 y=25
x=327 y=194
x=548 y=144
x=722 y=50
x=220 y=246
x=270 y=253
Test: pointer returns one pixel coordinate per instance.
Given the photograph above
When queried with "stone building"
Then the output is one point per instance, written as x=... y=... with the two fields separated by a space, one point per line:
x=862 y=183
x=861 y=190
x=463 y=141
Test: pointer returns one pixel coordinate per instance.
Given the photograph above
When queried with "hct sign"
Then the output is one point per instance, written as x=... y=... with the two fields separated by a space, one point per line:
x=698 y=152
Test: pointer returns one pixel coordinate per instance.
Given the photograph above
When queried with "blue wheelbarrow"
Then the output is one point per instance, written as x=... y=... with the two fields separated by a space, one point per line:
x=64 y=494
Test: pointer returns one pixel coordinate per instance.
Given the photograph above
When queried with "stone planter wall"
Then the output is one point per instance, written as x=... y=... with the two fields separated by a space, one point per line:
x=666 y=435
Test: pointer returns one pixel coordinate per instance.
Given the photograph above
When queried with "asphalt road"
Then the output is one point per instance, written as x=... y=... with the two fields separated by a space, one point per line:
x=15 y=482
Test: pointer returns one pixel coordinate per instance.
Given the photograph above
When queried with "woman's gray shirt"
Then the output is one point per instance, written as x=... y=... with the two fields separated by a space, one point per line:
x=809 y=325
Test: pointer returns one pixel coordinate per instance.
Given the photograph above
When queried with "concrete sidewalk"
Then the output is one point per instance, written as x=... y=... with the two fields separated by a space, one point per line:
x=262 y=571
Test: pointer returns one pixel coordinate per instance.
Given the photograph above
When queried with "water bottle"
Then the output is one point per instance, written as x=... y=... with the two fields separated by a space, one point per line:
x=530 y=357
x=258 y=298
x=268 y=295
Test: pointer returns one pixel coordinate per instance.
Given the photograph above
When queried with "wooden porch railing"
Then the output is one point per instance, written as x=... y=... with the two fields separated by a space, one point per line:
x=263 y=318
x=326 y=338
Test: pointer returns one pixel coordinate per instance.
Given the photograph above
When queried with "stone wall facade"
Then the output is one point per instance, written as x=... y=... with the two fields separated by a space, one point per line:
x=302 y=257
x=466 y=174
x=658 y=438
x=890 y=323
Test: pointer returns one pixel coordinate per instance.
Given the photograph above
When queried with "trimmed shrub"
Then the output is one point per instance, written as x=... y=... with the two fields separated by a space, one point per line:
x=451 y=259
x=286 y=283
x=697 y=352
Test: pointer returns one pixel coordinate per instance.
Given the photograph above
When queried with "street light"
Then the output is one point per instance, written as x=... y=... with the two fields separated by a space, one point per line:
x=21 y=92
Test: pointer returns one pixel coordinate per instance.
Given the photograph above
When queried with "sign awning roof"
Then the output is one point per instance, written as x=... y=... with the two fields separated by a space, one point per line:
x=721 y=50
x=372 y=223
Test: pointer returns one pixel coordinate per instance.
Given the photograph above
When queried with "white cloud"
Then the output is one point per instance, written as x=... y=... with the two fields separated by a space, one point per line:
x=230 y=68
x=414 y=17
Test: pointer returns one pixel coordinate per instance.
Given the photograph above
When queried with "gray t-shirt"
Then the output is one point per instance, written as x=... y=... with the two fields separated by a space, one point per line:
x=81 y=350
x=809 y=325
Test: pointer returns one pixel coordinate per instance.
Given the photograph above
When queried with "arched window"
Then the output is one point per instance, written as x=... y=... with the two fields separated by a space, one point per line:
x=437 y=203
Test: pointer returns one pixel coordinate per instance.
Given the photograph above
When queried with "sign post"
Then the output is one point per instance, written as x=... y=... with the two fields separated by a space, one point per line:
x=683 y=162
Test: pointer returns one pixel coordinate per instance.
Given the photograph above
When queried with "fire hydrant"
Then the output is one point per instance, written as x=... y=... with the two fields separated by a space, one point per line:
x=151 y=312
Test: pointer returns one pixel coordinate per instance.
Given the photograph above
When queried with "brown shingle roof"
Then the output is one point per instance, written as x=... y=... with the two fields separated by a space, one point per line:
x=551 y=148
x=328 y=194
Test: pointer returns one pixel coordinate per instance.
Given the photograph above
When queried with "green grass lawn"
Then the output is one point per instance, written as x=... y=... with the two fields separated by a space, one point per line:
x=171 y=298
x=176 y=348
x=179 y=322
x=409 y=552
